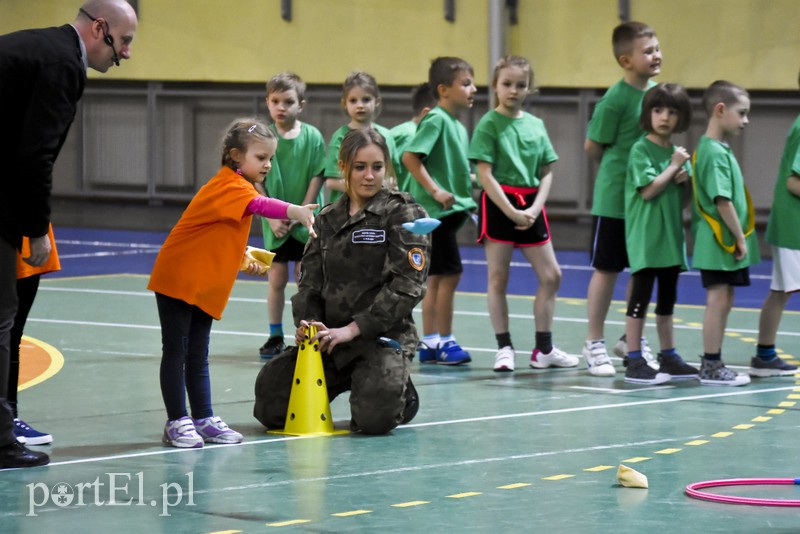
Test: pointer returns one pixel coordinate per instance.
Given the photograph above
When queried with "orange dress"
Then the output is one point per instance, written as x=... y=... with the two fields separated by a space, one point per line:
x=200 y=258
x=52 y=264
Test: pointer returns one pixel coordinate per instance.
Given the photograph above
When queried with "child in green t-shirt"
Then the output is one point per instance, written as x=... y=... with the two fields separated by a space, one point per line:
x=296 y=177
x=437 y=159
x=361 y=100
x=612 y=131
x=782 y=234
x=655 y=191
x=422 y=102
x=723 y=224
x=514 y=156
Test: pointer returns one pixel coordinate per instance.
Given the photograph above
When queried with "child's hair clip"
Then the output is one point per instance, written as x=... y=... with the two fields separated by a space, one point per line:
x=253 y=127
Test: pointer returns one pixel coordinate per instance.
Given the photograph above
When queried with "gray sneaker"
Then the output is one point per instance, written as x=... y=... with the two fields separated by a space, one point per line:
x=714 y=373
x=774 y=367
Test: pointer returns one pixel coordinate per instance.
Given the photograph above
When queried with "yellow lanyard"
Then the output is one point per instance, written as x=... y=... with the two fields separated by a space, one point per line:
x=715 y=225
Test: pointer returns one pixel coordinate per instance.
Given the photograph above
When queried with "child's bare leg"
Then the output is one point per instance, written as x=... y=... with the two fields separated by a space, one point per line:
x=429 y=306
x=598 y=300
x=543 y=260
x=498 y=260
x=634 y=330
x=719 y=301
x=666 y=332
x=276 y=296
x=770 y=318
x=445 y=300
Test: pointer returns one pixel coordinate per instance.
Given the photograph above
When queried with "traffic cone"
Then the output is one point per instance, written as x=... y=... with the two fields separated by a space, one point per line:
x=309 y=412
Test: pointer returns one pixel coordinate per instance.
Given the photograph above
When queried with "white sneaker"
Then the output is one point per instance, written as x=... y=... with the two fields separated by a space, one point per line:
x=597 y=360
x=621 y=350
x=182 y=434
x=556 y=358
x=504 y=360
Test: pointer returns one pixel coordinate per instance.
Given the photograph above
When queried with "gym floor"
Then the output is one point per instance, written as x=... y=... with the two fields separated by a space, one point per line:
x=523 y=451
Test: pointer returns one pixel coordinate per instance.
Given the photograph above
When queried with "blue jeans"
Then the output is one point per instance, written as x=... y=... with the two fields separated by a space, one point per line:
x=185 y=331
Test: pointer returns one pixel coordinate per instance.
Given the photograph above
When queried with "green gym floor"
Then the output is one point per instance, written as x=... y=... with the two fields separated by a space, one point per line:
x=533 y=450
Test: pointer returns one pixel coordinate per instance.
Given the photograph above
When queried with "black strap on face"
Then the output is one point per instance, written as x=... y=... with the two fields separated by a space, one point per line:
x=107 y=38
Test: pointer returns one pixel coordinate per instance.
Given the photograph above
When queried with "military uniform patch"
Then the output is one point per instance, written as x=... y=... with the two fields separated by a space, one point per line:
x=367 y=235
x=416 y=257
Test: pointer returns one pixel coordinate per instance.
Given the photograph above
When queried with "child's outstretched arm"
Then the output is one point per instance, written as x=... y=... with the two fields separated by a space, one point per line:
x=304 y=215
x=728 y=215
x=414 y=165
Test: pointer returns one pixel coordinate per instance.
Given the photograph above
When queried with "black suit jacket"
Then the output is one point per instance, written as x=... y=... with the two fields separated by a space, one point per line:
x=41 y=80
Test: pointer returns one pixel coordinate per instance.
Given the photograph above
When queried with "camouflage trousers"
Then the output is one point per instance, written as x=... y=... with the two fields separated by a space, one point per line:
x=376 y=377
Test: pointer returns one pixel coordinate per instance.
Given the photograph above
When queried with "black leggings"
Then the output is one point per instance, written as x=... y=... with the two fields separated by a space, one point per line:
x=26 y=293
x=642 y=291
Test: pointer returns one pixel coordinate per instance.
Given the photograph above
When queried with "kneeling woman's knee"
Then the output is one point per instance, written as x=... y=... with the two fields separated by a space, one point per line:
x=376 y=398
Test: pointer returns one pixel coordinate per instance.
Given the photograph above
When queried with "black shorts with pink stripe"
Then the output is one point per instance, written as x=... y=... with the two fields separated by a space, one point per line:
x=495 y=226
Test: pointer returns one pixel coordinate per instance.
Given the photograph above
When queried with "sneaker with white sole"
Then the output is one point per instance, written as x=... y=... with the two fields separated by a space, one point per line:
x=639 y=372
x=30 y=435
x=774 y=367
x=556 y=358
x=597 y=360
x=714 y=373
x=182 y=434
x=504 y=360
x=621 y=350
x=215 y=430
x=451 y=353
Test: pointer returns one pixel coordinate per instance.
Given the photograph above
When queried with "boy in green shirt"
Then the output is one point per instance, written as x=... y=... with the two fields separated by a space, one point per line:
x=422 y=102
x=296 y=177
x=613 y=130
x=437 y=159
x=784 y=219
x=723 y=224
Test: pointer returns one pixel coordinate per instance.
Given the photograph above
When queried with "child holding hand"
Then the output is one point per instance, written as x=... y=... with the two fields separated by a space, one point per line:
x=195 y=271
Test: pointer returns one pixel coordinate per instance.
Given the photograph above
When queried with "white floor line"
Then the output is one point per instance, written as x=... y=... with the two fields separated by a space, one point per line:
x=748 y=391
x=612 y=390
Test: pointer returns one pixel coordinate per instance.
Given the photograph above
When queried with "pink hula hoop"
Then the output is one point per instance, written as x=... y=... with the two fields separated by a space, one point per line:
x=693 y=490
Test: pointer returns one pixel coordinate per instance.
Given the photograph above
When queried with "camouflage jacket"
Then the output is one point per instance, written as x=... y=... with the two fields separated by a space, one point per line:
x=366 y=268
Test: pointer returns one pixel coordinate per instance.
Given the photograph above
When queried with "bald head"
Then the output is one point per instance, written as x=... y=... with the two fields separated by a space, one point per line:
x=107 y=28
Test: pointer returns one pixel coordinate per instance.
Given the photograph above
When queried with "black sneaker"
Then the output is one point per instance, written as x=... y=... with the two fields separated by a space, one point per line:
x=675 y=367
x=774 y=367
x=638 y=372
x=272 y=347
x=412 y=402
x=18 y=455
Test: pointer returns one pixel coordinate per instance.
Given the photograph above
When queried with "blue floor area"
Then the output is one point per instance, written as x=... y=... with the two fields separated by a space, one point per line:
x=86 y=252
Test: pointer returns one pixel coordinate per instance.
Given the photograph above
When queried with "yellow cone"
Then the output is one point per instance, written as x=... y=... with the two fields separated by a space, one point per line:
x=309 y=412
x=631 y=478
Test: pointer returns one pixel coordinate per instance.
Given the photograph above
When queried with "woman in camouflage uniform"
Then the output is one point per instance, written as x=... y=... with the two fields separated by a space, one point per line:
x=359 y=283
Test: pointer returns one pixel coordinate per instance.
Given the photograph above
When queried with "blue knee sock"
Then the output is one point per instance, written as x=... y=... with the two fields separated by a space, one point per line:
x=766 y=352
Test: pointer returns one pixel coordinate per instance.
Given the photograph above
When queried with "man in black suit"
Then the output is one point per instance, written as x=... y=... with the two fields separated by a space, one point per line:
x=42 y=74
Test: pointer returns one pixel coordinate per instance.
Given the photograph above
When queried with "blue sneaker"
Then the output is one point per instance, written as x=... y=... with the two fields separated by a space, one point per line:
x=426 y=354
x=452 y=354
x=30 y=435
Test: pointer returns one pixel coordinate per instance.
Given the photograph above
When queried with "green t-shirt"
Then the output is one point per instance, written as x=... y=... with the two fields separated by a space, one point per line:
x=517 y=148
x=717 y=174
x=332 y=157
x=653 y=228
x=615 y=124
x=442 y=143
x=297 y=161
x=784 y=219
x=402 y=134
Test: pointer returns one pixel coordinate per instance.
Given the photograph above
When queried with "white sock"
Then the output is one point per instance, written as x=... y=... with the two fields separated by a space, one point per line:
x=445 y=339
x=431 y=341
